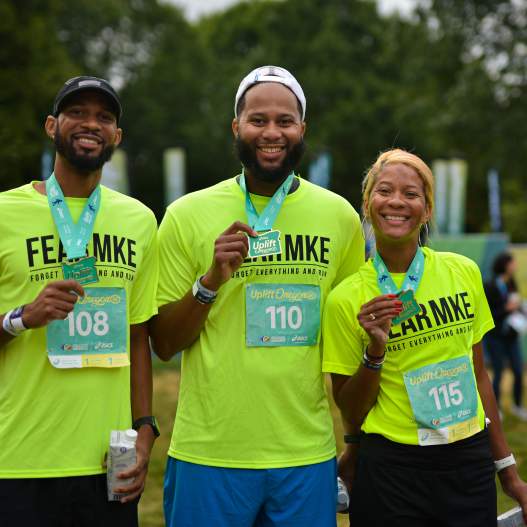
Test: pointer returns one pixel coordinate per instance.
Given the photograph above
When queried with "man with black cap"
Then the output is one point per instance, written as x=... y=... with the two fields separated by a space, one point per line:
x=245 y=268
x=78 y=267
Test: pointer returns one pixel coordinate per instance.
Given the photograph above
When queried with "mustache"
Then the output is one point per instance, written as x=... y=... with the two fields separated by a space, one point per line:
x=246 y=153
x=85 y=164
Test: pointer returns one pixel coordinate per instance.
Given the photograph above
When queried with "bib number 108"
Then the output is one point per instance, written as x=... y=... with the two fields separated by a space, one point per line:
x=446 y=395
x=283 y=317
x=83 y=323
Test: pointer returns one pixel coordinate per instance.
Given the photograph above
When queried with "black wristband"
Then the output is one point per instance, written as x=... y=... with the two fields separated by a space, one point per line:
x=202 y=294
x=371 y=365
x=352 y=439
x=373 y=357
x=149 y=420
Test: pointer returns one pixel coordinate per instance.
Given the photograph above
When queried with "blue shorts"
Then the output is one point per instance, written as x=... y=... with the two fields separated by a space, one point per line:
x=205 y=496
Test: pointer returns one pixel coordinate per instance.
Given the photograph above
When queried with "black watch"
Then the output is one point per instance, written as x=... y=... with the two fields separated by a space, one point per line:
x=147 y=420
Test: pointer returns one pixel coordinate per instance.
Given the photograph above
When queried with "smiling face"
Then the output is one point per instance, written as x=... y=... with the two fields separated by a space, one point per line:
x=269 y=132
x=397 y=205
x=85 y=132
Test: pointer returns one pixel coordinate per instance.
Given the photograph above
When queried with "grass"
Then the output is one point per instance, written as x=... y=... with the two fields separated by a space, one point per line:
x=166 y=386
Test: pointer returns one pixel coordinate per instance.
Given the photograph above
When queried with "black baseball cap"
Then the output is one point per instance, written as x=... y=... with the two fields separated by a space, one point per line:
x=86 y=82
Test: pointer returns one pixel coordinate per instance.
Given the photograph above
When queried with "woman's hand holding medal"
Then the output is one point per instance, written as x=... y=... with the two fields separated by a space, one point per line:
x=375 y=317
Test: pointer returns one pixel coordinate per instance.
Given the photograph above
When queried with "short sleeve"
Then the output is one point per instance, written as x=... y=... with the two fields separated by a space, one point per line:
x=354 y=254
x=342 y=343
x=177 y=269
x=143 y=304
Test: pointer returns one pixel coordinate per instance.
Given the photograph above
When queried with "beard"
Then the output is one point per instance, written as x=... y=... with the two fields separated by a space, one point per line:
x=246 y=153
x=85 y=164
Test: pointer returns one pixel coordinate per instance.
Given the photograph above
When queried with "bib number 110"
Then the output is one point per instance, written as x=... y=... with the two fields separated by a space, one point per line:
x=285 y=317
x=83 y=323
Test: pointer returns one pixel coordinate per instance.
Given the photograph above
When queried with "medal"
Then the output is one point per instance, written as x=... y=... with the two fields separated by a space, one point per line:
x=74 y=237
x=83 y=270
x=265 y=244
x=268 y=240
x=410 y=306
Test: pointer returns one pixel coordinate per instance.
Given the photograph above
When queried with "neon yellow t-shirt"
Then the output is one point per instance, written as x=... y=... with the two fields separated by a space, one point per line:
x=254 y=406
x=57 y=422
x=455 y=316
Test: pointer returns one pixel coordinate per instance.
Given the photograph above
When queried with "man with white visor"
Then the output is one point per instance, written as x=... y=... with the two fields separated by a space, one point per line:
x=245 y=268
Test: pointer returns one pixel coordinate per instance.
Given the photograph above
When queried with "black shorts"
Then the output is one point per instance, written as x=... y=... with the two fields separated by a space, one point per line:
x=400 y=485
x=76 y=501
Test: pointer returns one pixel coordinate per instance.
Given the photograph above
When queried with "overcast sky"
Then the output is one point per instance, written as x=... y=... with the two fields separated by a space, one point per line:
x=195 y=8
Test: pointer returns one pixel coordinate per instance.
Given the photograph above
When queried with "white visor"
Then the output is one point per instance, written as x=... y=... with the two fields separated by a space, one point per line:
x=271 y=74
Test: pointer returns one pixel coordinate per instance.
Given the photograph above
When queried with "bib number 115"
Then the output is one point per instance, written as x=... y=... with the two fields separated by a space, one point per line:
x=283 y=317
x=447 y=395
x=83 y=323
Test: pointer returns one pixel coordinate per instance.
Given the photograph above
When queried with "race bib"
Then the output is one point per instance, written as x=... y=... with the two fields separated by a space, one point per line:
x=282 y=314
x=444 y=401
x=94 y=334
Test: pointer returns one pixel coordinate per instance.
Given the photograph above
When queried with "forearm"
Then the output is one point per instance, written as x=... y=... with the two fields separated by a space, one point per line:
x=141 y=402
x=509 y=476
x=498 y=442
x=347 y=462
x=355 y=396
x=140 y=371
x=5 y=337
x=178 y=325
x=141 y=380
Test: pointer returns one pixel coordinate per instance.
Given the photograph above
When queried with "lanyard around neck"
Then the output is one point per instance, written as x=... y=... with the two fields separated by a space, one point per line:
x=265 y=220
x=412 y=277
x=74 y=237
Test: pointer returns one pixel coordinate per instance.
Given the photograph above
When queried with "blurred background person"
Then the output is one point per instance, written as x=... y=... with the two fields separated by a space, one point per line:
x=502 y=344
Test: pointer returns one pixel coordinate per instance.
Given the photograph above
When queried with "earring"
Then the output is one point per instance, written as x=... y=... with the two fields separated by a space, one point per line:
x=423 y=234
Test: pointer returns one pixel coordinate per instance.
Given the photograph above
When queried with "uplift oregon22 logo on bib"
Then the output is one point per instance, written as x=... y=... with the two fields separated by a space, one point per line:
x=94 y=334
x=282 y=314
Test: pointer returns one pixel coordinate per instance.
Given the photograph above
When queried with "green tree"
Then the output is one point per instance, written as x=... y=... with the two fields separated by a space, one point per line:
x=488 y=113
x=33 y=64
x=450 y=81
x=163 y=104
x=369 y=81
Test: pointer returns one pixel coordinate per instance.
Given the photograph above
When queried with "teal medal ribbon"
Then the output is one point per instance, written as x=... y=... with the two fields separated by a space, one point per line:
x=411 y=282
x=74 y=237
x=268 y=242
